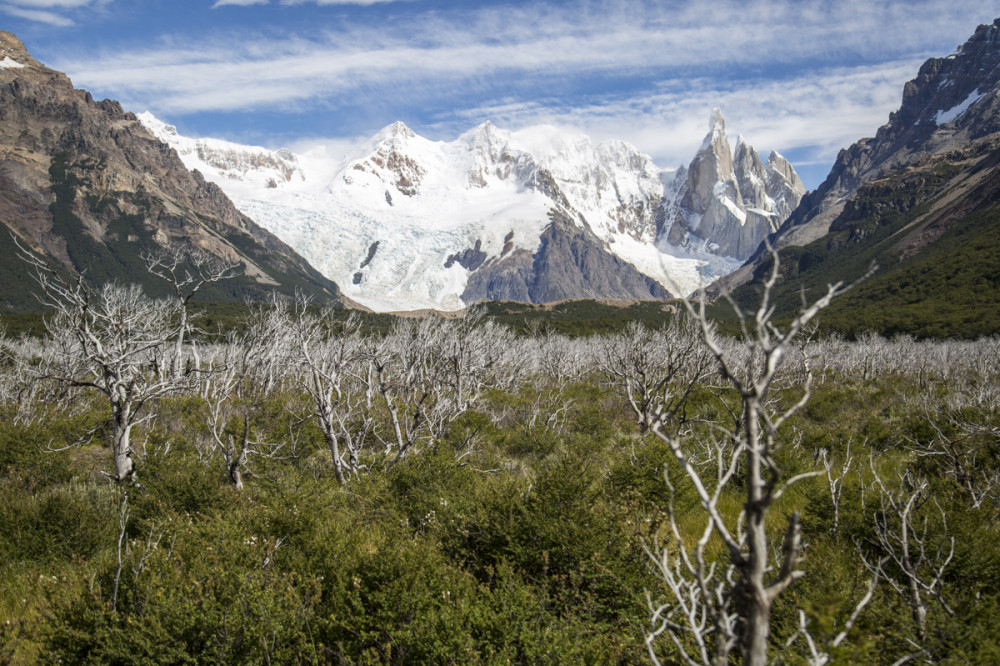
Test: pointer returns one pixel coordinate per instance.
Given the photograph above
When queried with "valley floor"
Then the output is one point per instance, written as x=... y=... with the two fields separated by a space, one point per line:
x=518 y=531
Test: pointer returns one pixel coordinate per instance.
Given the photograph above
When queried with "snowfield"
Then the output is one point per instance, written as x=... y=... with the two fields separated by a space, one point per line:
x=425 y=202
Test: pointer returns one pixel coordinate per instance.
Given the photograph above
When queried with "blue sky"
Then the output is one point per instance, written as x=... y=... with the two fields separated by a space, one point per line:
x=804 y=78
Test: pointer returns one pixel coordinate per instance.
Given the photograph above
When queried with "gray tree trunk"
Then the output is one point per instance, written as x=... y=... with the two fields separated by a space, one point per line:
x=120 y=442
x=757 y=613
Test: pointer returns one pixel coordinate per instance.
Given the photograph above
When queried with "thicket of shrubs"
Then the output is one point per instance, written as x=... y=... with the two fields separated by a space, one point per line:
x=514 y=531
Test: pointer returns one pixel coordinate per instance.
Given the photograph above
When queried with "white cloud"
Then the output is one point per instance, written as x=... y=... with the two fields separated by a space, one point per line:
x=342 y=2
x=51 y=12
x=811 y=76
x=819 y=113
x=623 y=38
x=239 y=3
x=56 y=4
x=39 y=16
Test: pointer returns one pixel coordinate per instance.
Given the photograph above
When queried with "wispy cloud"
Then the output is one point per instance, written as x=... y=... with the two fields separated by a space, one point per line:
x=248 y=3
x=816 y=114
x=37 y=15
x=58 y=4
x=766 y=62
x=621 y=39
x=342 y=2
x=52 y=12
x=239 y=3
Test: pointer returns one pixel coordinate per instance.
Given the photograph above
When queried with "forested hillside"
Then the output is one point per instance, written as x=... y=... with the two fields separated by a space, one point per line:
x=931 y=230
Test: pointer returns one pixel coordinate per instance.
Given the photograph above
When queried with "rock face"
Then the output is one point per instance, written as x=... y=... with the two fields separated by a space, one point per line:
x=86 y=184
x=952 y=102
x=937 y=154
x=570 y=262
x=732 y=201
x=534 y=215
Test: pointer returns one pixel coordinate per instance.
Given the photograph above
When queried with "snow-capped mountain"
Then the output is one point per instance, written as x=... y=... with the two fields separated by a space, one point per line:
x=538 y=215
x=731 y=200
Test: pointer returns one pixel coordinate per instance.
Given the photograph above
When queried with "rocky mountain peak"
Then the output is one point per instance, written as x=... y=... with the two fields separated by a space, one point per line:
x=716 y=145
x=729 y=201
x=490 y=153
x=750 y=175
x=485 y=129
x=251 y=164
x=711 y=166
x=87 y=185
x=952 y=101
x=393 y=157
x=17 y=66
x=784 y=186
x=396 y=134
x=745 y=153
x=716 y=127
x=13 y=54
x=779 y=167
x=485 y=134
x=946 y=88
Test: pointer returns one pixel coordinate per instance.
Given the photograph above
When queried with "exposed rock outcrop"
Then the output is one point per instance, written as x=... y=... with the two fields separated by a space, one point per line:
x=952 y=102
x=938 y=149
x=86 y=184
x=732 y=201
x=569 y=263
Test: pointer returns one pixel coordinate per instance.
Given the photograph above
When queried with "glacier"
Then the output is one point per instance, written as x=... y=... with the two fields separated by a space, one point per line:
x=490 y=191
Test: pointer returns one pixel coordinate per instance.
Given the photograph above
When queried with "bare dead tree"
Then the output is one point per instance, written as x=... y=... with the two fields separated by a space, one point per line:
x=112 y=339
x=835 y=475
x=330 y=353
x=409 y=378
x=560 y=360
x=721 y=606
x=249 y=370
x=428 y=372
x=819 y=650
x=404 y=376
x=18 y=388
x=477 y=354
x=656 y=370
x=187 y=270
x=967 y=453
x=221 y=391
x=917 y=558
x=631 y=361
x=126 y=549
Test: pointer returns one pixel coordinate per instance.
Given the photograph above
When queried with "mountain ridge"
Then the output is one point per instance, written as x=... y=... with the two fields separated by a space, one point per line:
x=921 y=127
x=921 y=199
x=430 y=207
x=84 y=184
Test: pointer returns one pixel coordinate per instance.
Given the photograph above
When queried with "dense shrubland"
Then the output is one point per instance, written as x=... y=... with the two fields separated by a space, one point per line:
x=447 y=492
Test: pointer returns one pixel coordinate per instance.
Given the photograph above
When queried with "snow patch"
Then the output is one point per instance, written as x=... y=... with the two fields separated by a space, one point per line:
x=945 y=117
x=737 y=212
x=10 y=63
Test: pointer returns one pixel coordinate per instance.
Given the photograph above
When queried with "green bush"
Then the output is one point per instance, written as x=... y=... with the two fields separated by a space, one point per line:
x=502 y=542
x=54 y=524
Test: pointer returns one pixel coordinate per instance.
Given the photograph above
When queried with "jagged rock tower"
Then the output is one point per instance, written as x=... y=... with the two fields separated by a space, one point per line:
x=732 y=201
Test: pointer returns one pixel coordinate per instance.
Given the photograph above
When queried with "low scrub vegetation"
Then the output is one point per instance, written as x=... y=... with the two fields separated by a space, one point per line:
x=306 y=491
